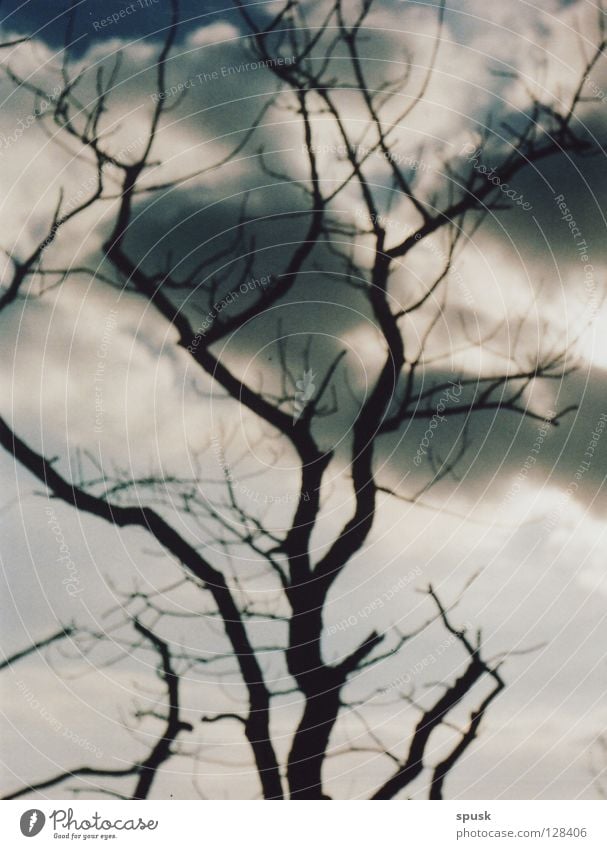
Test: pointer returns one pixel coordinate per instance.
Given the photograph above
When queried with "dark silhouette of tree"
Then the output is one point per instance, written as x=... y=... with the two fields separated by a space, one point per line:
x=36 y=646
x=315 y=93
x=144 y=770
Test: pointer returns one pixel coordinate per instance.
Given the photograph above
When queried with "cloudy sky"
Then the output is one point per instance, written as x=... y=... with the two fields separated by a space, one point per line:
x=531 y=542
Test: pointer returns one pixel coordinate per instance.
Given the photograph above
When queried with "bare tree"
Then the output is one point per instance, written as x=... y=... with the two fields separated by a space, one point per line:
x=317 y=93
x=146 y=769
x=36 y=646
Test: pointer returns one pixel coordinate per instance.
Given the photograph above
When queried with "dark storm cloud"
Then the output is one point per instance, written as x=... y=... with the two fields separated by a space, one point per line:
x=545 y=240
x=323 y=312
x=501 y=443
x=193 y=221
x=98 y=20
x=320 y=306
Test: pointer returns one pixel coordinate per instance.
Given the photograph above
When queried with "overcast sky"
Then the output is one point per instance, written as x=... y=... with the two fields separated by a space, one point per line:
x=540 y=583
